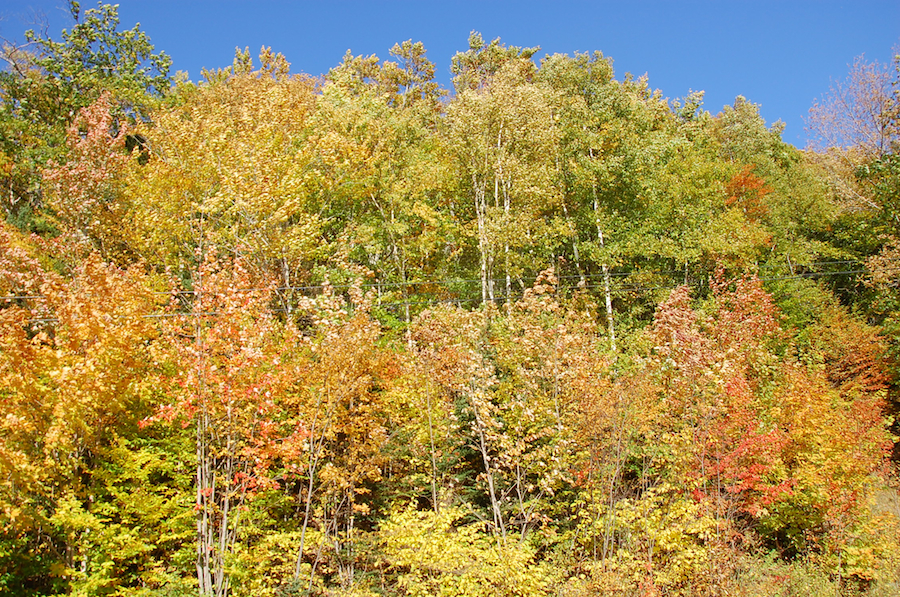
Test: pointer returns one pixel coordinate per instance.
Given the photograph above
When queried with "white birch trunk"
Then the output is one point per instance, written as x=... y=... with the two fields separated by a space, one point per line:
x=606 y=277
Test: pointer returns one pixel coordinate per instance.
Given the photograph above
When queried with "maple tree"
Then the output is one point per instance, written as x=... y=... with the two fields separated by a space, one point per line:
x=86 y=192
x=746 y=436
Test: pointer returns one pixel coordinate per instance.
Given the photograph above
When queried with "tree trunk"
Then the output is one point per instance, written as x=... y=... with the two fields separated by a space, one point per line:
x=606 y=277
x=487 y=291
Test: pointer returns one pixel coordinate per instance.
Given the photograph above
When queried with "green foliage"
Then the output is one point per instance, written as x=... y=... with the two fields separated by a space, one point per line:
x=95 y=56
x=135 y=532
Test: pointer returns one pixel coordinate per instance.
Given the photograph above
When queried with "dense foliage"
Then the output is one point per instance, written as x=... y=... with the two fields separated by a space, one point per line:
x=546 y=333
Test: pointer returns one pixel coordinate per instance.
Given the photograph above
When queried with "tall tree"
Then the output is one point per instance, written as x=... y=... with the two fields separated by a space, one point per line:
x=503 y=137
x=376 y=128
x=47 y=82
x=86 y=193
x=858 y=114
x=227 y=163
x=75 y=365
x=230 y=359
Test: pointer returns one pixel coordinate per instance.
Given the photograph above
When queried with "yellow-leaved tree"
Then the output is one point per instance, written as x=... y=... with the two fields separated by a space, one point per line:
x=228 y=164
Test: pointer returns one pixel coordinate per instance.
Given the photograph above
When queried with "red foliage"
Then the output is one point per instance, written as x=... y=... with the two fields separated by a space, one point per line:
x=708 y=365
x=751 y=429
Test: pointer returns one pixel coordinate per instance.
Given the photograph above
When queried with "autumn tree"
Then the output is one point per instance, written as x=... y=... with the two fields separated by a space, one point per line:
x=586 y=102
x=228 y=164
x=638 y=179
x=77 y=374
x=858 y=115
x=502 y=134
x=230 y=363
x=508 y=390
x=86 y=193
x=47 y=82
x=203 y=387
x=340 y=400
x=375 y=126
x=854 y=136
x=742 y=441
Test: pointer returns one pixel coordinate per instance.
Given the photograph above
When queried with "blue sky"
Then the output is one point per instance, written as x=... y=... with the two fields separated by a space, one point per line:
x=779 y=54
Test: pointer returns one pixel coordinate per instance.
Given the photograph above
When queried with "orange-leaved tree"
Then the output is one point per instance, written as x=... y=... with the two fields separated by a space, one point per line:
x=750 y=443
x=75 y=373
x=230 y=364
x=86 y=192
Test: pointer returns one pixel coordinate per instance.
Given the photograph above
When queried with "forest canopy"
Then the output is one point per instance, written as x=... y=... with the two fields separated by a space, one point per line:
x=546 y=332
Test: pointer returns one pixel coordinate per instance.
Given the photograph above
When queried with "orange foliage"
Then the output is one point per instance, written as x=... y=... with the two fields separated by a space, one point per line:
x=74 y=369
x=747 y=191
x=86 y=191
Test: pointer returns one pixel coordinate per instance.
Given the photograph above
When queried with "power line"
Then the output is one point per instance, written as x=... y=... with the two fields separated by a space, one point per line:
x=456 y=281
x=497 y=298
x=815 y=275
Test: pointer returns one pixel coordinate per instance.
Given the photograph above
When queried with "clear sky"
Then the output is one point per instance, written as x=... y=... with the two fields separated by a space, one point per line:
x=781 y=54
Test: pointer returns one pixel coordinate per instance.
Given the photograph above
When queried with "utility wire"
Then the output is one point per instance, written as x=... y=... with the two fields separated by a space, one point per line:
x=446 y=300
x=450 y=282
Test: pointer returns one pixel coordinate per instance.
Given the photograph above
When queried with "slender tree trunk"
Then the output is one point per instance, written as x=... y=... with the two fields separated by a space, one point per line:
x=314 y=455
x=204 y=580
x=483 y=248
x=608 y=295
x=204 y=482
x=287 y=295
x=501 y=185
x=495 y=503
x=506 y=210
x=608 y=538
x=575 y=254
x=332 y=524
x=488 y=471
x=434 y=494
x=606 y=278
x=397 y=254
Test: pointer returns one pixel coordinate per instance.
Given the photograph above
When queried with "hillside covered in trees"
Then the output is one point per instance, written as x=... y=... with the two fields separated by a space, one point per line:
x=544 y=333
